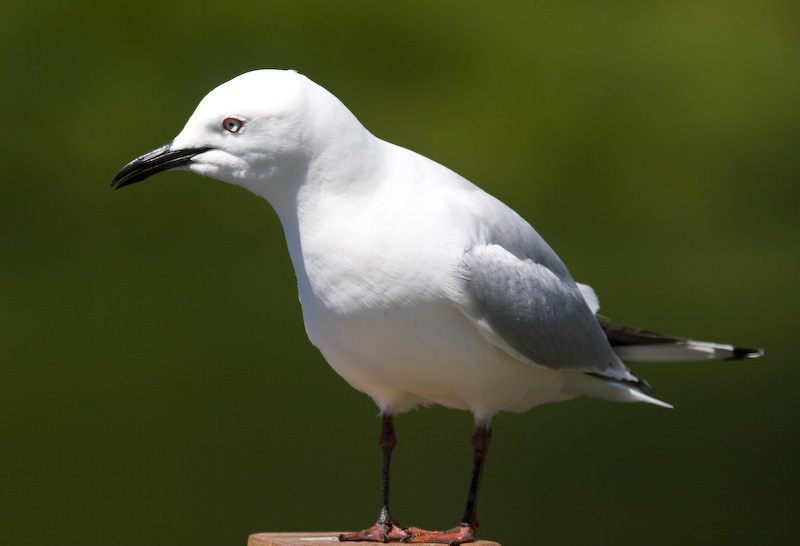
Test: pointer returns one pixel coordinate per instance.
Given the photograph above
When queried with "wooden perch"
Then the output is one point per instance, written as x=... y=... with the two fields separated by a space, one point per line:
x=321 y=539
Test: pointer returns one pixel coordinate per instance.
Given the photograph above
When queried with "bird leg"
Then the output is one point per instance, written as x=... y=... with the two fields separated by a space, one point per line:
x=385 y=529
x=464 y=531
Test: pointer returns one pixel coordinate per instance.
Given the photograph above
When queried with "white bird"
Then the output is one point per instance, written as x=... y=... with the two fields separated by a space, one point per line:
x=416 y=286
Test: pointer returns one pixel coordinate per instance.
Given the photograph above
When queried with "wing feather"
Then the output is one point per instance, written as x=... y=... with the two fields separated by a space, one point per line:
x=538 y=313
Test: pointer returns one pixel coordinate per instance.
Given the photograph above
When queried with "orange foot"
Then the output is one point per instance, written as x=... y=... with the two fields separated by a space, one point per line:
x=453 y=537
x=383 y=532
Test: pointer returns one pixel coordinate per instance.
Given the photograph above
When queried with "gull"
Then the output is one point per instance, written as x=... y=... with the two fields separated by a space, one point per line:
x=417 y=287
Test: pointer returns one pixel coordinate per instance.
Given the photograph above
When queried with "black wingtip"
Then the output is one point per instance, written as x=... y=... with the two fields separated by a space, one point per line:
x=745 y=353
x=637 y=383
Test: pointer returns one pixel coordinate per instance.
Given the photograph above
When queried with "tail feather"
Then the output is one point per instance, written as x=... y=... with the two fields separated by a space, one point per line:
x=636 y=345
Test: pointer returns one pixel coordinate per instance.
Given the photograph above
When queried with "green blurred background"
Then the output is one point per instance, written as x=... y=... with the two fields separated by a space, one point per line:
x=156 y=385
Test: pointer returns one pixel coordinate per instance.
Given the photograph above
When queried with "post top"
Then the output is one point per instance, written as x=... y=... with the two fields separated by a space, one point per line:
x=320 y=539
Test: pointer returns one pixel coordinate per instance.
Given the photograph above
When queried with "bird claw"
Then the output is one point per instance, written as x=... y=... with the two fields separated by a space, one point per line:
x=381 y=532
x=391 y=532
x=453 y=537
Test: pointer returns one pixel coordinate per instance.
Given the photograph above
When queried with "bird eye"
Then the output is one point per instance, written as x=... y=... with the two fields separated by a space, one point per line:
x=232 y=125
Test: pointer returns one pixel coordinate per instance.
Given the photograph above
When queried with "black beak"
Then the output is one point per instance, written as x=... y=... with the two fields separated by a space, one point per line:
x=160 y=159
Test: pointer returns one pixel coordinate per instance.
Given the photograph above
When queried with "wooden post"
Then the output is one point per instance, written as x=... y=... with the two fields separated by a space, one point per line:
x=321 y=539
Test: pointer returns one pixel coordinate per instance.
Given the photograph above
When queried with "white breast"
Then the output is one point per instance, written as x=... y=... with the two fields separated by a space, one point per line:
x=378 y=278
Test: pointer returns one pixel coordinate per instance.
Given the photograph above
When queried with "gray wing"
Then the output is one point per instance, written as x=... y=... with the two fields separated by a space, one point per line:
x=542 y=315
x=521 y=296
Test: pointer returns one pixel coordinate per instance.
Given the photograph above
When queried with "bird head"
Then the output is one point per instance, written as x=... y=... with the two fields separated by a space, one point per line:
x=255 y=130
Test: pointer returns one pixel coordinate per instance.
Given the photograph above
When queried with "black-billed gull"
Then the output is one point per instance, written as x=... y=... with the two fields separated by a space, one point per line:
x=416 y=286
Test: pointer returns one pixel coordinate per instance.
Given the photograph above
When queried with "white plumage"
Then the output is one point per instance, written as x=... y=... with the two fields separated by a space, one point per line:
x=416 y=286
